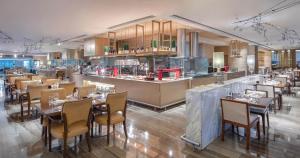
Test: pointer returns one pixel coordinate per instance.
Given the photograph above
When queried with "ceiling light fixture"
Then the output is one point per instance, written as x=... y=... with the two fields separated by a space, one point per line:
x=15 y=55
x=218 y=30
x=263 y=28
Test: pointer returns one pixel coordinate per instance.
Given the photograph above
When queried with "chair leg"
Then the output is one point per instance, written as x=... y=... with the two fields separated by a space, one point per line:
x=222 y=134
x=50 y=142
x=263 y=122
x=248 y=138
x=88 y=141
x=45 y=135
x=28 y=108
x=92 y=128
x=125 y=128
x=80 y=138
x=258 y=130
x=108 y=126
x=268 y=119
x=22 y=113
x=114 y=129
x=65 y=147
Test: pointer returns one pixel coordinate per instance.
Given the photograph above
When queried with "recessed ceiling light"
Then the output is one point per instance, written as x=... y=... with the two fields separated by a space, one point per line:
x=15 y=55
x=59 y=44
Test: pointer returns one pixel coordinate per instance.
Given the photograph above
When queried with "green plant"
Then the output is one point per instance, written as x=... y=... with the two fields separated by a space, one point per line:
x=126 y=46
x=153 y=43
x=106 y=48
x=173 y=44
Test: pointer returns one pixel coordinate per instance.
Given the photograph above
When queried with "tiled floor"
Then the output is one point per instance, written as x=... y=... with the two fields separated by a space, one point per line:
x=153 y=134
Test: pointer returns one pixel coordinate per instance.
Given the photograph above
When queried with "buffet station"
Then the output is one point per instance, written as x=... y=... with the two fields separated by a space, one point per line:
x=156 y=62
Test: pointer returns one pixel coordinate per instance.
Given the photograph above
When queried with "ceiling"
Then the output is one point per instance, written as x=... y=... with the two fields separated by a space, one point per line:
x=54 y=21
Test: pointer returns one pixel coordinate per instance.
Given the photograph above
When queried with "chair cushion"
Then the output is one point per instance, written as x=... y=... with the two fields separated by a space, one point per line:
x=258 y=110
x=115 y=119
x=34 y=103
x=253 y=118
x=75 y=129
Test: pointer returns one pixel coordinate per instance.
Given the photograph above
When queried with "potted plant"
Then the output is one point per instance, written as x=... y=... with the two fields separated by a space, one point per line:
x=126 y=48
x=154 y=45
x=106 y=50
x=173 y=46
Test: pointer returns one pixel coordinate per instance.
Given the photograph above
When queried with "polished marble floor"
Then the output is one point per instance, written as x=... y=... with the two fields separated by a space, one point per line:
x=153 y=134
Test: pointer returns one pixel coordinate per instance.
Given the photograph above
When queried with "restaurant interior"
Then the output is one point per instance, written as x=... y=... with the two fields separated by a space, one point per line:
x=159 y=79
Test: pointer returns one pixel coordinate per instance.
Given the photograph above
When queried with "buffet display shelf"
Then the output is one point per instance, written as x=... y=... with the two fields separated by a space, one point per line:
x=158 y=53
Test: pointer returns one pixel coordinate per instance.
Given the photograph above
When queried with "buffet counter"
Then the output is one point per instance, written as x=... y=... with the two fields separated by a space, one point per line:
x=157 y=94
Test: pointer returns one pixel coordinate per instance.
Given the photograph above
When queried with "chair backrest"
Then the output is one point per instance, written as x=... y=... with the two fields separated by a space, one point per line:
x=24 y=84
x=270 y=89
x=84 y=91
x=28 y=75
x=47 y=93
x=35 y=91
x=235 y=111
x=116 y=102
x=50 y=82
x=263 y=94
x=283 y=80
x=19 y=80
x=13 y=79
x=76 y=111
x=8 y=76
x=36 y=78
x=69 y=87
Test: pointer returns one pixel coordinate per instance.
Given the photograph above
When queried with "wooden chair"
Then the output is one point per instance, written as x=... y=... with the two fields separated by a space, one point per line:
x=282 y=80
x=75 y=122
x=84 y=91
x=237 y=113
x=33 y=98
x=116 y=112
x=50 y=82
x=15 y=86
x=45 y=95
x=36 y=78
x=271 y=94
x=28 y=75
x=24 y=84
x=69 y=87
x=263 y=112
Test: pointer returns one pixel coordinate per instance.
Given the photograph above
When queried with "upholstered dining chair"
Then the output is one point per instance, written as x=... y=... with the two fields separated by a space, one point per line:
x=75 y=122
x=16 y=86
x=84 y=91
x=69 y=87
x=24 y=84
x=45 y=95
x=50 y=82
x=33 y=98
x=238 y=114
x=18 y=82
x=271 y=94
x=36 y=78
x=116 y=112
x=28 y=75
x=263 y=112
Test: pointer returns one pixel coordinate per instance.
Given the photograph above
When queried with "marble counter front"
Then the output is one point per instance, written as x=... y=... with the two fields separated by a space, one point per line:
x=203 y=110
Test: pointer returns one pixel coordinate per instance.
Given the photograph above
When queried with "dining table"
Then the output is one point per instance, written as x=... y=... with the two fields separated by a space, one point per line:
x=55 y=106
x=254 y=100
